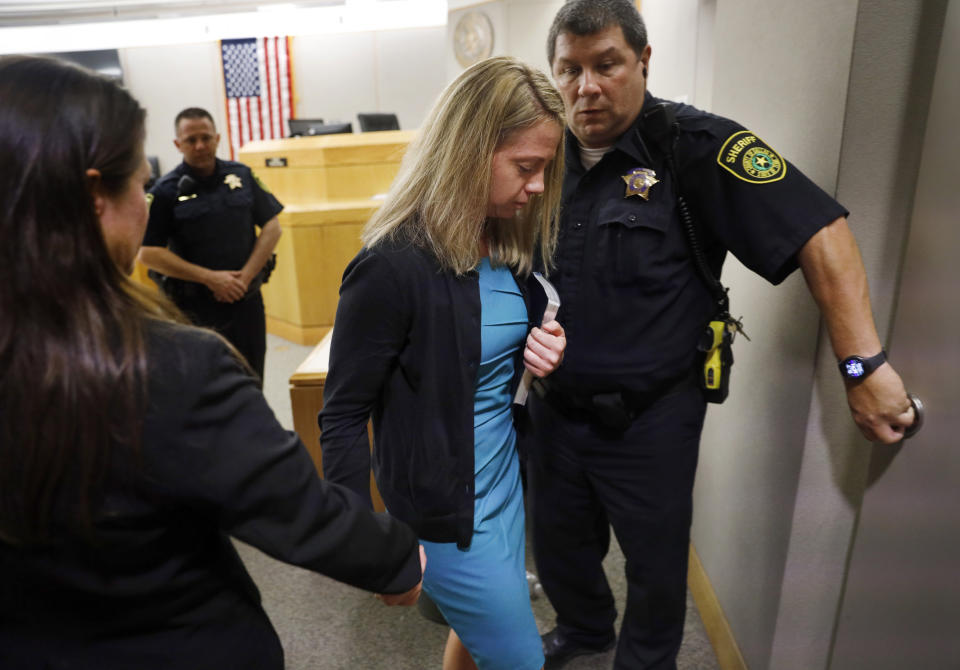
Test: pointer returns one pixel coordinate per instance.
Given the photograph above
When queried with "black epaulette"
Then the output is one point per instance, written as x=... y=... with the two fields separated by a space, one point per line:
x=169 y=178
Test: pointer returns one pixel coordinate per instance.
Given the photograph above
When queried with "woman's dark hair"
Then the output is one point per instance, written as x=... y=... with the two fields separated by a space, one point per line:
x=72 y=361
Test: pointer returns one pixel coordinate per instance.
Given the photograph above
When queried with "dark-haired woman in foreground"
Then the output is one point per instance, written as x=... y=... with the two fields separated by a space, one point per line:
x=131 y=445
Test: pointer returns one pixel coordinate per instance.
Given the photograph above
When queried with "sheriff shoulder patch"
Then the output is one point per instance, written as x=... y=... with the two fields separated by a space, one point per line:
x=749 y=158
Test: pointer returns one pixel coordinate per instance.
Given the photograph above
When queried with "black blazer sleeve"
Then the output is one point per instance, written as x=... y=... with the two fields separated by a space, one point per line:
x=223 y=449
x=372 y=326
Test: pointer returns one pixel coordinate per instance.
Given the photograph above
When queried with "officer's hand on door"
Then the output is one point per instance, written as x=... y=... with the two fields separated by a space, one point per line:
x=880 y=406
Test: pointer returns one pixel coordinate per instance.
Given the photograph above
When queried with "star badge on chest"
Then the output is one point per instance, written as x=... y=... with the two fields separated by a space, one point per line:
x=639 y=182
x=233 y=181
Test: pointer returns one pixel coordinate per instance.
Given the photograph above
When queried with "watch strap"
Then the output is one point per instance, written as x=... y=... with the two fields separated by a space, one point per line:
x=858 y=367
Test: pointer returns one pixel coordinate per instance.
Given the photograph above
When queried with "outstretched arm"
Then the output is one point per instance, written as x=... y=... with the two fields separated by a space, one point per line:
x=834 y=271
x=217 y=445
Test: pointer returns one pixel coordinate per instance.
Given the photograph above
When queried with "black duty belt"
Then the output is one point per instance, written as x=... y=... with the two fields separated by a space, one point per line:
x=180 y=290
x=614 y=410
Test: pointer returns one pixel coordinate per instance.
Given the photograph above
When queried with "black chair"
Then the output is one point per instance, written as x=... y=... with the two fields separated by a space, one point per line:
x=299 y=127
x=372 y=122
x=154 y=172
x=330 y=129
x=334 y=128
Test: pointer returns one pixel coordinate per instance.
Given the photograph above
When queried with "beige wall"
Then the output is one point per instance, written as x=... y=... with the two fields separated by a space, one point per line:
x=396 y=71
x=165 y=80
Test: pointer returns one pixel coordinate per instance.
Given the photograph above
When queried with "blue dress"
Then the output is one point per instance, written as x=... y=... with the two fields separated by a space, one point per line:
x=482 y=591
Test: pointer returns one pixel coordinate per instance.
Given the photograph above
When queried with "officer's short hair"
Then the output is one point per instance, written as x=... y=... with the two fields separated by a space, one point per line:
x=193 y=113
x=586 y=17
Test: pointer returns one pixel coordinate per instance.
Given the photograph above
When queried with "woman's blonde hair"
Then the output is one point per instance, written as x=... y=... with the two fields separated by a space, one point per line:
x=440 y=196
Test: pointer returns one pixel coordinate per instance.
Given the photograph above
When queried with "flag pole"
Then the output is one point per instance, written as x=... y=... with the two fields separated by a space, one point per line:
x=293 y=87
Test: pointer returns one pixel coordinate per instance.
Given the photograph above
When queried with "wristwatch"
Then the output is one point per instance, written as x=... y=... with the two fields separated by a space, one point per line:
x=856 y=368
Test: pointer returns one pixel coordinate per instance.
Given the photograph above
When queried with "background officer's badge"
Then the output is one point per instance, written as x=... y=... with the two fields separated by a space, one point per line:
x=233 y=181
x=639 y=181
x=751 y=159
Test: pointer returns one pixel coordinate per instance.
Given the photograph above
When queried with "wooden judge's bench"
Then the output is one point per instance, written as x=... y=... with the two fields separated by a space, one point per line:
x=328 y=185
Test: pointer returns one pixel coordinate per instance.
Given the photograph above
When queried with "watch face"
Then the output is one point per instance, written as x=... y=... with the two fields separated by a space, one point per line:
x=853 y=368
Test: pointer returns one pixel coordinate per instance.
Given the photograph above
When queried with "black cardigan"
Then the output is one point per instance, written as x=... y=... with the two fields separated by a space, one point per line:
x=162 y=586
x=406 y=350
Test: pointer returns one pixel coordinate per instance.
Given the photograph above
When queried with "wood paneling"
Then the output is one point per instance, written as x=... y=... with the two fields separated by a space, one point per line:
x=327 y=186
x=315 y=247
x=711 y=613
x=306 y=400
x=139 y=275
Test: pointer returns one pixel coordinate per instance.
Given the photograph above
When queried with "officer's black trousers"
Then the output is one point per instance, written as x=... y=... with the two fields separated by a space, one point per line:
x=243 y=323
x=582 y=482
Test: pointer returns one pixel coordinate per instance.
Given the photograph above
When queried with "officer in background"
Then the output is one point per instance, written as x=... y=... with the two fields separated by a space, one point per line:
x=617 y=426
x=202 y=237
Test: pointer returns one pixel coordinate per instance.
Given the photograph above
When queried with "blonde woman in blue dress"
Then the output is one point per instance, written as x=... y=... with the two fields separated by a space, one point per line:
x=433 y=331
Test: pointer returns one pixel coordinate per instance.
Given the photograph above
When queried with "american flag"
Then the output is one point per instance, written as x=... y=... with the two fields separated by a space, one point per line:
x=259 y=88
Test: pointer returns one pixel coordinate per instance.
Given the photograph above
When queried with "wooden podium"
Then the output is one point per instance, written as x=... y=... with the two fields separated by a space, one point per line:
x=306 y=400
x=327 y=184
